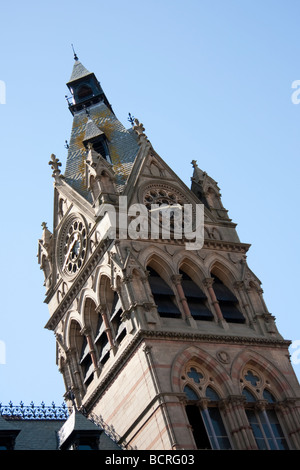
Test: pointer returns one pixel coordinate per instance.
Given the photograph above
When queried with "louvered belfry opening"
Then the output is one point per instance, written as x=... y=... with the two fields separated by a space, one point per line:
x=118 y=325
x=163 y=296
x=196 y=298
x=228 y=302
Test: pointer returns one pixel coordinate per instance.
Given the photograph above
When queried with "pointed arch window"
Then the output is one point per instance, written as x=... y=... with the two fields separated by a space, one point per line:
x=163 y=296
x=100 y=146
x=205 y=418
x=196 y=299
x=101 y=341
x=264 y=422
x=80 y=344
x=228 y=302
x=116 y=318
x=86 y=362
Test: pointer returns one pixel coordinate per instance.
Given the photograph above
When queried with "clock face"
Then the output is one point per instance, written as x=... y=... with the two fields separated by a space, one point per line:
x=72 y=246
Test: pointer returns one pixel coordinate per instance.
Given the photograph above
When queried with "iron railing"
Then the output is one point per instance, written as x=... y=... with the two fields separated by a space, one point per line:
x=33 y=411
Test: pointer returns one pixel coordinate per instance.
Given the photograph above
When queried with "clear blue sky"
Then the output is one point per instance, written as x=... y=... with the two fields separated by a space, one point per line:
x=211 y=80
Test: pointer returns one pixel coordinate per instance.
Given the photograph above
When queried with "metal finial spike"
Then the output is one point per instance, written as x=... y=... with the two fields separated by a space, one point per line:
x=131 y=119
x=75 y=55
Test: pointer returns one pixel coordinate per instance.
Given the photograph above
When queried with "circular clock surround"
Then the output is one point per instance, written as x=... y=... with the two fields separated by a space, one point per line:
x=72 y=246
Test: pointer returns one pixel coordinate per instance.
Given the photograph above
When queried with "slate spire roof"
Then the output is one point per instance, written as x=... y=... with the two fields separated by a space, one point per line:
x=92 y=130
x=79 y=71
x=93 y=120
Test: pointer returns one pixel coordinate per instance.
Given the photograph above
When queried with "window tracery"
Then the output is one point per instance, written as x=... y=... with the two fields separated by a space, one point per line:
x=260 y=408
x=202 y=409
x=171 y=203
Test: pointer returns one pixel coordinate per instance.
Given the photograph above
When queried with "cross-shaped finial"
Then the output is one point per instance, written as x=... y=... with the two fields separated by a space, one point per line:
x=55 y=164
x=44 y=225
x=139 y=129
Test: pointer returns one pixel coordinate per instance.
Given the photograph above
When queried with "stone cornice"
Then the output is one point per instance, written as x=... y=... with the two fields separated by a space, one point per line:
x=226 y=246
x=172 y=335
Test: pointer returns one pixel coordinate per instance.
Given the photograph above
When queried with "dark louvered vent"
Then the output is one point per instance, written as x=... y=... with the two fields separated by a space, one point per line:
x=196 y=299
x=228 y=302
x=163 y=295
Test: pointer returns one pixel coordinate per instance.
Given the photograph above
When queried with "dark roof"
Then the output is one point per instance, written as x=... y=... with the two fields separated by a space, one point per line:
x=91 y=131
x=50 y=434
x=122 y=144
x=79 y=71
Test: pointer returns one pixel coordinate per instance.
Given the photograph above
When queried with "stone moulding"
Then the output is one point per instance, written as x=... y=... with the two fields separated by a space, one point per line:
x=189 y=336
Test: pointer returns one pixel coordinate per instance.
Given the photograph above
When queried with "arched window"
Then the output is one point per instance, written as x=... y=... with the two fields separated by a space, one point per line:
x=261 y=413
x=118 y=325
x=227 y=301
x=100 y=146
x=84 y=92
x=80 y=344
x=163 y=296
x=86 y=362
x=101 y=341
x=203 y=413
x=196 y=299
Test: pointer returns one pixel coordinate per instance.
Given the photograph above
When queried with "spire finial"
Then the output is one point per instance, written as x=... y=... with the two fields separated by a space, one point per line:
x=75 y=55
x=55 y=164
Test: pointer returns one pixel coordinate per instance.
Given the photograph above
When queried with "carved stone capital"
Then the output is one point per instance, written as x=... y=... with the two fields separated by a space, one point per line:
x=203 y=403
x=239 y=285
x=101 y=309
x=234 y=400
x=86 y=330
x=176 y=278
x=208 y=281
x=261 y=405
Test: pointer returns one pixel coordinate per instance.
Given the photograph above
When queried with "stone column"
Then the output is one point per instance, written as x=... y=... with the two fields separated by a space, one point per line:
x=208 y=282
x=75 y=375
x=176 y=278
x=237 y=421
x=289 y=412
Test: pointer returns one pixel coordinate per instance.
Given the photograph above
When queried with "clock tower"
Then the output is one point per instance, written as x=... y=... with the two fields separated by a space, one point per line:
x=162 y=332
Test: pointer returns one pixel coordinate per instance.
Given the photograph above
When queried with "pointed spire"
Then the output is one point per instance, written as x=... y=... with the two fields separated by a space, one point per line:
x=79 y=71
x=198 y=173
x=47 y=235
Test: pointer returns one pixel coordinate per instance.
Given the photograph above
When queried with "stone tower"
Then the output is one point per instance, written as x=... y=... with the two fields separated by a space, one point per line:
x=168 y=342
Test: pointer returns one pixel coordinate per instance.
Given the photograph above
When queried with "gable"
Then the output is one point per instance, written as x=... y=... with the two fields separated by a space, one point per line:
x=151 y=175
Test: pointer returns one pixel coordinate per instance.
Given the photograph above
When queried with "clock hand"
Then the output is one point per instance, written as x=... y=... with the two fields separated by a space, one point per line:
x=70 y=249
